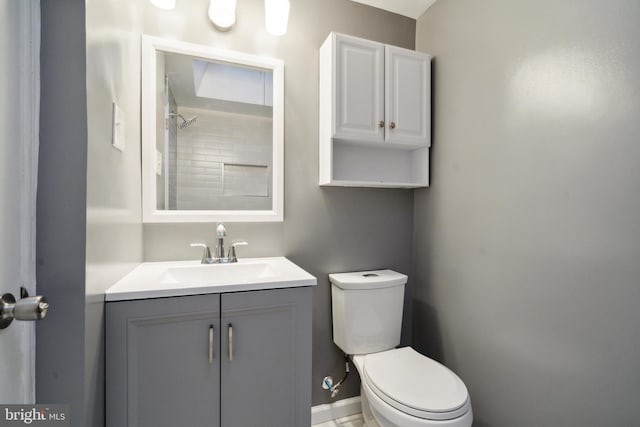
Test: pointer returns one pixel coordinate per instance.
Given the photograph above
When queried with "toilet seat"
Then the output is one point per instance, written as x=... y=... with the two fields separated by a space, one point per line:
x=415 y=385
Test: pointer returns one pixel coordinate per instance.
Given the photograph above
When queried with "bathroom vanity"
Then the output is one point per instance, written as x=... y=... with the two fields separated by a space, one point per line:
x=226 y=345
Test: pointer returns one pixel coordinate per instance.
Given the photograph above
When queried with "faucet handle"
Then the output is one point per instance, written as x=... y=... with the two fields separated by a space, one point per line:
x=232 y=250
x=206 y=253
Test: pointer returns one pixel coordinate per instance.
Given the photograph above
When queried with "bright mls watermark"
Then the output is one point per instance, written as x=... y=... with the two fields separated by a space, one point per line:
x=34 y=415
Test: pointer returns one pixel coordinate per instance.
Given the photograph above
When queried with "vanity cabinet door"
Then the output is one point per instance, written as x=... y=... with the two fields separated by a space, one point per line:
x=163 y=362
x=266 y=362
x=359 y=90
x=407 y=96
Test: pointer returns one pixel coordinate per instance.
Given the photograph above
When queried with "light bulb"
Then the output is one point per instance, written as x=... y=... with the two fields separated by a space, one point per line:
x=222 y=13
x=164 y=4
x=276 y=14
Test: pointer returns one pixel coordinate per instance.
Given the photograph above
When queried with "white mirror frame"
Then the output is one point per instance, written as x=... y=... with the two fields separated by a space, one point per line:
x=150 y=214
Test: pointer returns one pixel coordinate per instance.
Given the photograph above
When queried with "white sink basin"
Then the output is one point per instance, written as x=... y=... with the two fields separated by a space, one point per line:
x=176 y=278
x=219 y=273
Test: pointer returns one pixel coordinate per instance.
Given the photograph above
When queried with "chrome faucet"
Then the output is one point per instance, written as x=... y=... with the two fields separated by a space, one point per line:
x=219 y=257
x=221 y=233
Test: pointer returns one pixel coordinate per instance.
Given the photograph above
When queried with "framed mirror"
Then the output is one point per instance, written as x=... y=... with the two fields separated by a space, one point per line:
x=212 y=134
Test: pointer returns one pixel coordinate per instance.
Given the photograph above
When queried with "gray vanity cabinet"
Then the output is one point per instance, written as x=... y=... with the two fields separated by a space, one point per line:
x=232 y=360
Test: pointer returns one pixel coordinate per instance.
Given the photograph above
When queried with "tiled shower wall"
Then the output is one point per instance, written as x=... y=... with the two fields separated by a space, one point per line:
x=242 y=143
x=172 y=158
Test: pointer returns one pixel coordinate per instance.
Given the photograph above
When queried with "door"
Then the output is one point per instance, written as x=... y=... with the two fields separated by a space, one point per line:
x=266 y=361
x=408 y=97
x=359 y=89
x=19 y=35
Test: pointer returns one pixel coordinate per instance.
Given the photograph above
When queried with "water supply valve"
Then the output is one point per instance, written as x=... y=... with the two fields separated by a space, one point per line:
x=327 y=382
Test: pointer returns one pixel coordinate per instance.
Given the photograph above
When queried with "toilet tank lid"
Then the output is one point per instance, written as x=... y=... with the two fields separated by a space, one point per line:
x=374 y=279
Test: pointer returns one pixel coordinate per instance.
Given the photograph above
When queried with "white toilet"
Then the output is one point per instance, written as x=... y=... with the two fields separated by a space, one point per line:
x=400 y=387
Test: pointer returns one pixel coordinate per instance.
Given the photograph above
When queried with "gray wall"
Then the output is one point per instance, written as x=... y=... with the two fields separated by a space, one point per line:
x=114 y=229
x=61 y=207
x=89 y=231
x=527 y=242
x=325 y=229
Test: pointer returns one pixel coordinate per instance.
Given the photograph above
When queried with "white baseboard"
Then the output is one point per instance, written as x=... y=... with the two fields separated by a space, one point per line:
x=335 y=410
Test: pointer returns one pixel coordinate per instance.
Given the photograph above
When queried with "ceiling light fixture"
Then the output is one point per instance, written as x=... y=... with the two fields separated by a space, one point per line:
x=223 y=14
x=164 y=4
x=276 y=14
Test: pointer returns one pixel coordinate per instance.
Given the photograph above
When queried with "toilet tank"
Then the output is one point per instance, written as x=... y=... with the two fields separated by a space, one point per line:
x=367 y=310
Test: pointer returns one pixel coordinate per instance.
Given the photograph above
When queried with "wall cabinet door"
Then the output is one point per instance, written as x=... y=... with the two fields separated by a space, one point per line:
x=359 y=90
x=407 y=96
x=266 y=365
x=159 y=373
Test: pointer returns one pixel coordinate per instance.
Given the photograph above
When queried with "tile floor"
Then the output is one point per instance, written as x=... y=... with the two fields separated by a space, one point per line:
x=350 y=421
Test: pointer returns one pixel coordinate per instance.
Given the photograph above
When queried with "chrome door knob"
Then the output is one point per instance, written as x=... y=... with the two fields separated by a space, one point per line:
x=29 y=308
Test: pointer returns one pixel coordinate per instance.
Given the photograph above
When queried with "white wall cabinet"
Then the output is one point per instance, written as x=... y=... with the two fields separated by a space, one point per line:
x=375 y=118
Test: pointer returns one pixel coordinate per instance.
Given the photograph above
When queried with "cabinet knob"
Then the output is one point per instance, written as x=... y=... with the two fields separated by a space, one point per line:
x=392 y=125
x=381 y=123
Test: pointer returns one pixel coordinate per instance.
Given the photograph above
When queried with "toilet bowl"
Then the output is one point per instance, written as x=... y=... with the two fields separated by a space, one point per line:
x=399 y=386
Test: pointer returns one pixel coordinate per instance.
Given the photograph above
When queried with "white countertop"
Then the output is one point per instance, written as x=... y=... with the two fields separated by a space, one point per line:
x=180 y=278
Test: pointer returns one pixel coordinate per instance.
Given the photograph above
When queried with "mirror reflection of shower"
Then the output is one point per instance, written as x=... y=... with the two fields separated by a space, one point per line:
x=216 y=148
x=185 y=123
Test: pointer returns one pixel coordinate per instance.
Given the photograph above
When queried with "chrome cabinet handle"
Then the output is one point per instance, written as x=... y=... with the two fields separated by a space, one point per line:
x=230 y=330
x=210 y=344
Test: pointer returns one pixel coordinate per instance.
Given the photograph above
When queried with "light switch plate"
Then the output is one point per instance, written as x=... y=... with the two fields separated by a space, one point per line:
x=118 y=131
